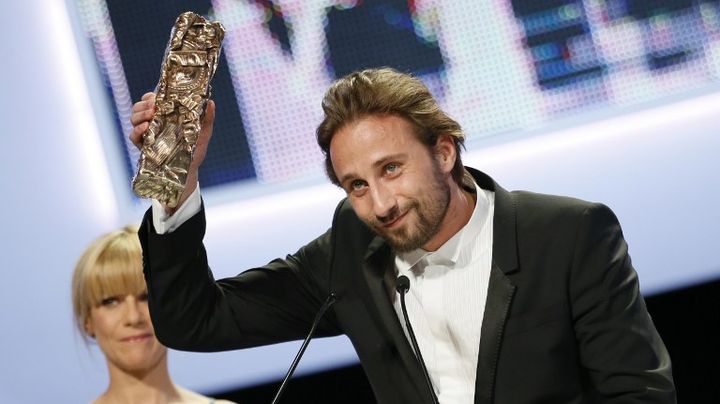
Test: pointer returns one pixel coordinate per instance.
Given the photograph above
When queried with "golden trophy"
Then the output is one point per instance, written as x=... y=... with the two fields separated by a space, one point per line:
x=181 y=94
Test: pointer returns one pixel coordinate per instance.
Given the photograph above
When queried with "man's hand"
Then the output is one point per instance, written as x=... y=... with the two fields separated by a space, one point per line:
x=142 y=114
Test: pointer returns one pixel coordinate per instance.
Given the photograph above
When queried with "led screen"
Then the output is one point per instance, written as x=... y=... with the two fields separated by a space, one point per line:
x=497 y=66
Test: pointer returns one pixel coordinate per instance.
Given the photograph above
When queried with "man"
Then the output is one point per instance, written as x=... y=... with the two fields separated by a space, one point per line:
x=515 y=297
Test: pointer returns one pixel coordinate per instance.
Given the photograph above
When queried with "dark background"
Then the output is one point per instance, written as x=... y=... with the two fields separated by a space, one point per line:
x=688 y=320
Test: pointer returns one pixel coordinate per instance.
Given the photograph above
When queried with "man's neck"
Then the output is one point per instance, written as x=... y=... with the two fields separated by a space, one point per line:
x=459 y=212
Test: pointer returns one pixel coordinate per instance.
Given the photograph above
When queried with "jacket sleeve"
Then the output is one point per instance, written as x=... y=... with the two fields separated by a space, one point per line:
x=626 y=360
x=192 y=311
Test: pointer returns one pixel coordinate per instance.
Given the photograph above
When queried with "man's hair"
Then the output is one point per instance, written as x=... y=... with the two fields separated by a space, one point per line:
x=386 y=91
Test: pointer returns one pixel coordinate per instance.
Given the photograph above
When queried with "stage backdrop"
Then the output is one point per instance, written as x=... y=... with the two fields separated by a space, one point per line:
x=606 y=100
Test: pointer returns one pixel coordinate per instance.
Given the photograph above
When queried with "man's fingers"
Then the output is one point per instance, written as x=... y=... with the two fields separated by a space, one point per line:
x=142 y=113
x=205 y=134
x=136 y=136
x=141 y=116
x=207 y=123
x=143 y=105
x=209 y=120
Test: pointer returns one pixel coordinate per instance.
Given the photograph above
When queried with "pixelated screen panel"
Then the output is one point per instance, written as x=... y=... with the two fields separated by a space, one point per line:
x=496 y=66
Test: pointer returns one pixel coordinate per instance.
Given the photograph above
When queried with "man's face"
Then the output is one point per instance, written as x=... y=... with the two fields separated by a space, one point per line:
x=395 y=183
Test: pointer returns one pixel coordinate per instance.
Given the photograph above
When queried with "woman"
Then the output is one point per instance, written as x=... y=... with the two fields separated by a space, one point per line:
x=110 y=306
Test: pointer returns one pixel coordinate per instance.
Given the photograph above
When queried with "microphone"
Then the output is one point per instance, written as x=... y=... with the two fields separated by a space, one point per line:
x=403 y=285
x=328 y=302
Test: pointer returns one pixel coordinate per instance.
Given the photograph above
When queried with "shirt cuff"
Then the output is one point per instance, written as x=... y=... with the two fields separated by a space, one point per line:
x=165 y=223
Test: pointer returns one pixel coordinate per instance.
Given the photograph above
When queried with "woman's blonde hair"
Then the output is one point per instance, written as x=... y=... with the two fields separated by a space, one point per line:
x=386 y=91
x=110 y=266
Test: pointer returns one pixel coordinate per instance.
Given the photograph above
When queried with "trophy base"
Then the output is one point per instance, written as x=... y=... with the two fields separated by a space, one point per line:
x=150 y=185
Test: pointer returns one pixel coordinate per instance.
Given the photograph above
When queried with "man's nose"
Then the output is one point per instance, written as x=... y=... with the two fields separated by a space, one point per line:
x=383 y=200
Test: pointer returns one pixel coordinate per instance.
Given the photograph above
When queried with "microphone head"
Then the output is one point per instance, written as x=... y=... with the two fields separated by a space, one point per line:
x=403 y=284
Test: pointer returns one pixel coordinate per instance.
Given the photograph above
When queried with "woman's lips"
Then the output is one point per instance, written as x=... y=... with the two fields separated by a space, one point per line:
x=137 y=338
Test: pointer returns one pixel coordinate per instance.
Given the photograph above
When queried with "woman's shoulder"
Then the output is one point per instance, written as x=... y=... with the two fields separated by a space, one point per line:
x=190 y=397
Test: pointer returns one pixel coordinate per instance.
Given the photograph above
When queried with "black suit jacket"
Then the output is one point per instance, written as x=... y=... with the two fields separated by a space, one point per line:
x=564 y=320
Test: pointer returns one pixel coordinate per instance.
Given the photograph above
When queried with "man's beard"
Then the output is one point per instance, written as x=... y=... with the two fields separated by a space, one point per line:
x=430 y=212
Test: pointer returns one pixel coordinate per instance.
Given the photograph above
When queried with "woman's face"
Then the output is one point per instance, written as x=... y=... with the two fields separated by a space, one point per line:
x=122 y=328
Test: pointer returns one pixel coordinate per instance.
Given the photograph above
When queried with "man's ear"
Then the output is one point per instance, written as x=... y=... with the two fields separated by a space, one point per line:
x=445 y=152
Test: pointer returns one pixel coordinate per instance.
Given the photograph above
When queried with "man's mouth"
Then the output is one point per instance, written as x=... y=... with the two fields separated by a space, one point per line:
x=395 y=221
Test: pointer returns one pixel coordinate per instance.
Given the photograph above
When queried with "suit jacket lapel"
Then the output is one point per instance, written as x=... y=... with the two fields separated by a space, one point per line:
x=378 y=260
x=500 y=294
x=500 y=289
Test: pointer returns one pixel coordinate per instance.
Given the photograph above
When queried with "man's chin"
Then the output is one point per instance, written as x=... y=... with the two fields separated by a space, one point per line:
x=403 y=244
x=398 y=238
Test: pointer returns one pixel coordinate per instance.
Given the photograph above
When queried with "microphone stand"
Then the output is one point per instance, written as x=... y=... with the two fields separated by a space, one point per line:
x=403 y=285
x=328 y=302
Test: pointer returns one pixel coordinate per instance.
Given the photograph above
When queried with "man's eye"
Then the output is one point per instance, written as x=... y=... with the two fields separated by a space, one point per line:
x=391 y=168
x=357 y=185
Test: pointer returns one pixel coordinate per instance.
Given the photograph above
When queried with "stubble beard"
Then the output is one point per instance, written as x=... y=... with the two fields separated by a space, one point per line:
x=430 y=214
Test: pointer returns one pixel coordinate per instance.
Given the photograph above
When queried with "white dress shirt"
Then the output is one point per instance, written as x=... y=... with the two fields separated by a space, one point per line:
x=446 y=302
x=167 y=224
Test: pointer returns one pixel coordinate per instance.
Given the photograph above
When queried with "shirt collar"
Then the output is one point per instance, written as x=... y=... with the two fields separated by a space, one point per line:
x=450 y=253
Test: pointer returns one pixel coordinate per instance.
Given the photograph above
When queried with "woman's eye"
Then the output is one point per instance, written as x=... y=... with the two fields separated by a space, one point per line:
x=110 y=301
x=143 y=297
